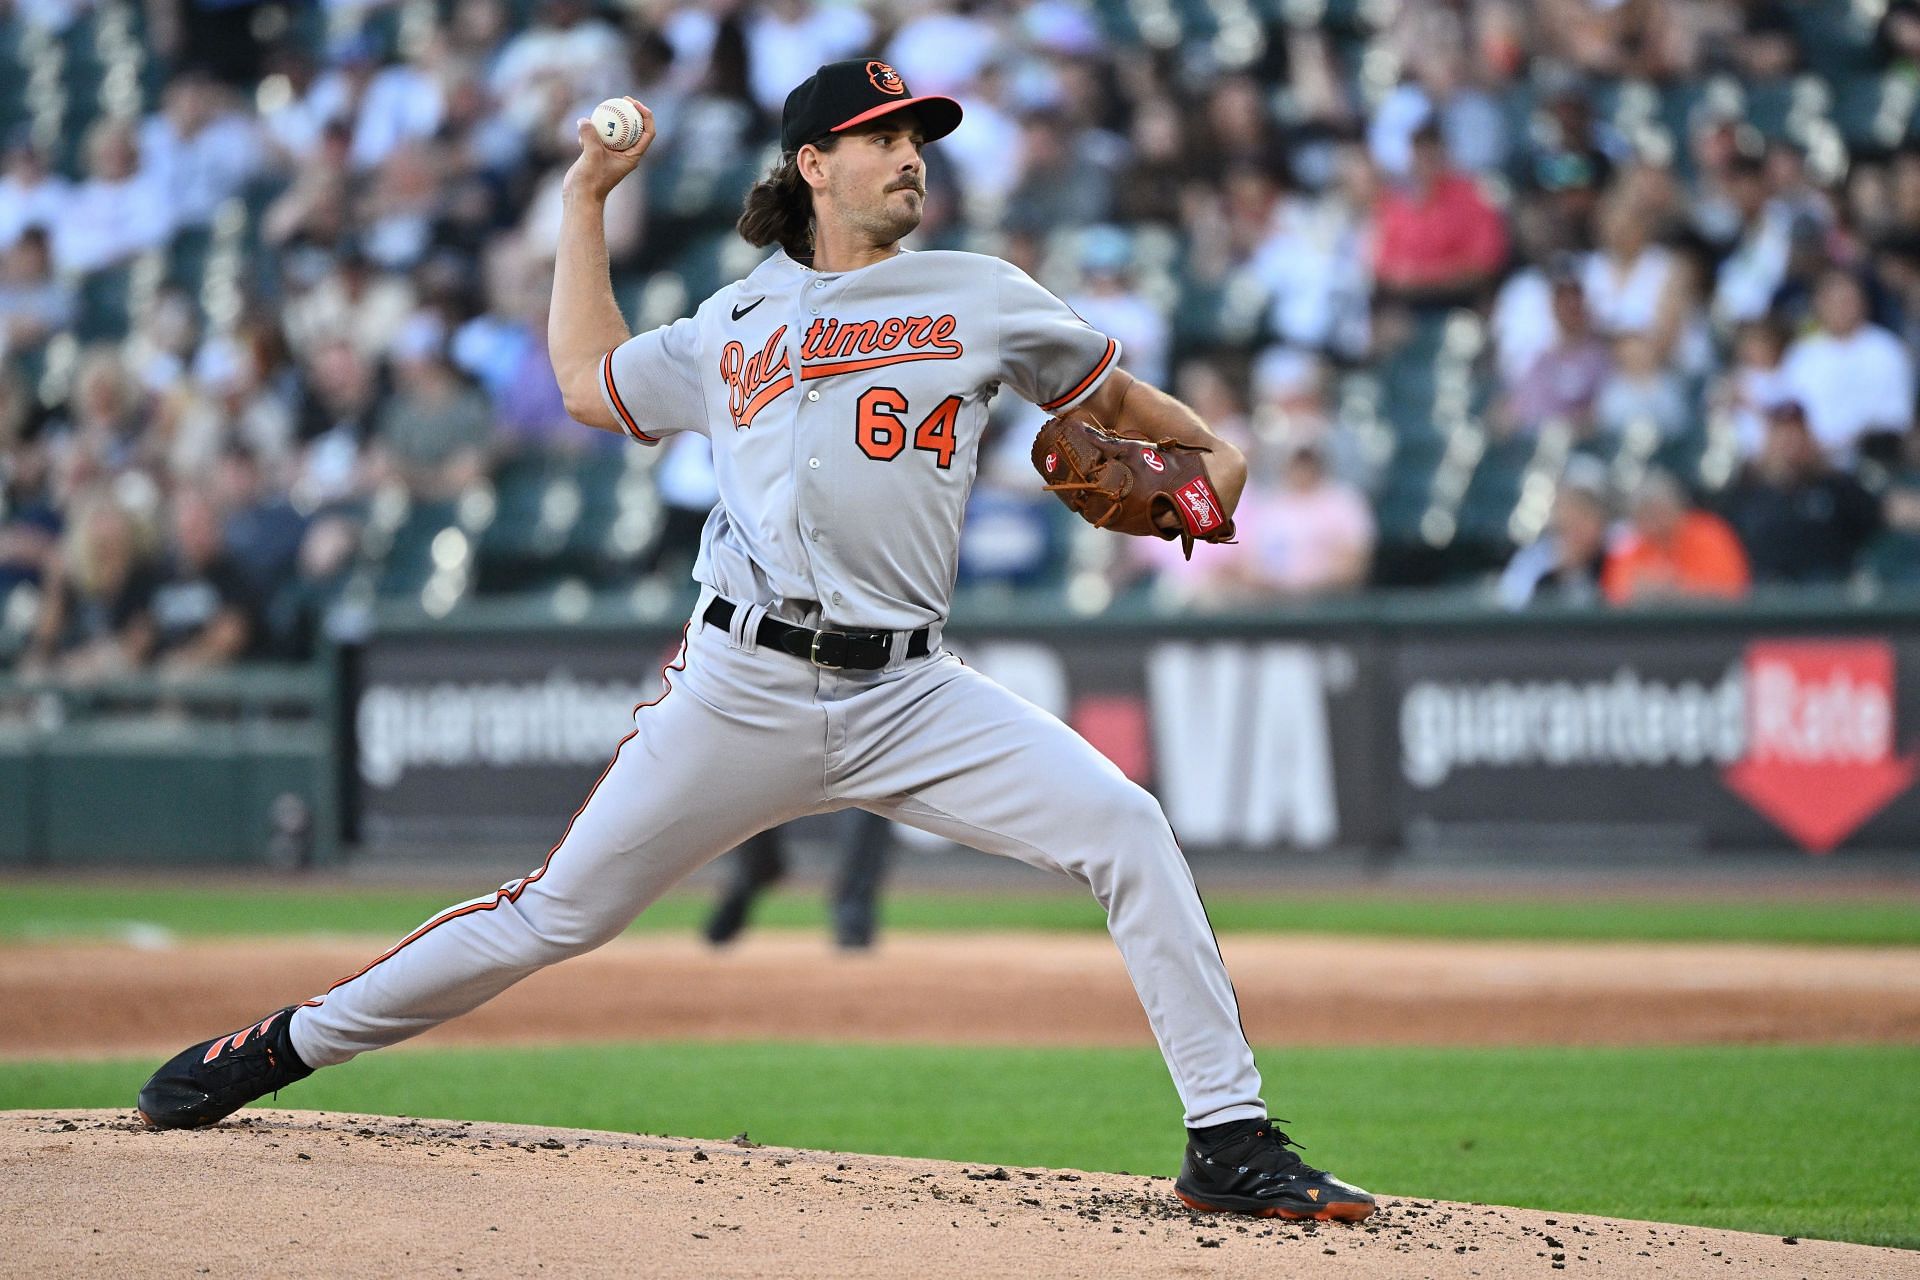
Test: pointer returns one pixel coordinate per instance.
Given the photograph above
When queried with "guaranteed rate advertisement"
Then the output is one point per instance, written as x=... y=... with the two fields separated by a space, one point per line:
x=464 y=739
x=1728 y=740
x=1629 y=739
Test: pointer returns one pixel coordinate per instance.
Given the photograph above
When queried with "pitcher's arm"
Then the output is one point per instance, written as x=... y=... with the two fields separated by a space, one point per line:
x=584 y=322
x=1127 y=406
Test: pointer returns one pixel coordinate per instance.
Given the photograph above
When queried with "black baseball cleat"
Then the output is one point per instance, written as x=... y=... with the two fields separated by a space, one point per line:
x=1245 y=1167
x=209 y=1082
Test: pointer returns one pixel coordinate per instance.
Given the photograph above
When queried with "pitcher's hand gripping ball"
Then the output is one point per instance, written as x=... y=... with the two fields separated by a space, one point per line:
x=618 y=123
x=1148 y=488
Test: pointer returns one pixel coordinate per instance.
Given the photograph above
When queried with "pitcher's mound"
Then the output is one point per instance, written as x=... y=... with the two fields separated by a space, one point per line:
x=301 y=1193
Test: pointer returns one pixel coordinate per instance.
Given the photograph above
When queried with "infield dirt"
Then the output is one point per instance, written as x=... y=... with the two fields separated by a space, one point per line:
x=297 y=1194
x=93 y=999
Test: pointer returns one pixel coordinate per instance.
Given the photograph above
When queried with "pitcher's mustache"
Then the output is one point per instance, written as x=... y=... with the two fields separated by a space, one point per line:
x=908 y=184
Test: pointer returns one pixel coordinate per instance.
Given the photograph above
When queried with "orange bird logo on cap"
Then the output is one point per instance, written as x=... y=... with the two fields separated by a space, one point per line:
x=885 y=78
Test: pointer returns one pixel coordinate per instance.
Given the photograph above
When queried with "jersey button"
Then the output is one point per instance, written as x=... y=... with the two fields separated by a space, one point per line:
x=814 y=534
x=814 y=463
x=838 y=598
x=819 y=284
x=813 y=395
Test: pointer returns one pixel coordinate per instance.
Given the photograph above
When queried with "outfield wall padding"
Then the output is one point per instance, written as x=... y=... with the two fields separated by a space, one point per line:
x=1388 y=727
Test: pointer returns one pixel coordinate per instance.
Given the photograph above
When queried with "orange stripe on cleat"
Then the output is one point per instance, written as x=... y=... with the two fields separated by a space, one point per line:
x=1330 y=1213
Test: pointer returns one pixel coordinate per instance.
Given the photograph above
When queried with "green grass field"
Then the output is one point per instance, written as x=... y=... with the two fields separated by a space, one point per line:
x=1788 y=1140
x=37 y=910
x=1791 y=1141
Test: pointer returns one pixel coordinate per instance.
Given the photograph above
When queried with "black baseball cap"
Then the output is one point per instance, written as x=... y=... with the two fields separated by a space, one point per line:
x=841 y=95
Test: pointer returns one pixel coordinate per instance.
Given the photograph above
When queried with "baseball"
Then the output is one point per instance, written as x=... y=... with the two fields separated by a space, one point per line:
x=618 y=123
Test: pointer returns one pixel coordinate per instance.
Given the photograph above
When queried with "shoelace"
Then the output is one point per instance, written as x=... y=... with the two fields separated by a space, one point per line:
x=253 y=1059
x=1267 y=1152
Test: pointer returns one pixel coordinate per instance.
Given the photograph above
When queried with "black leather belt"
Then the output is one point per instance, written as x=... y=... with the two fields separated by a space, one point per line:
x=833 y=650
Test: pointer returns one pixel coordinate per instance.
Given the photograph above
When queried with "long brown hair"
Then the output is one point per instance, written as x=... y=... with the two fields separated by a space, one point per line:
x=779 y=208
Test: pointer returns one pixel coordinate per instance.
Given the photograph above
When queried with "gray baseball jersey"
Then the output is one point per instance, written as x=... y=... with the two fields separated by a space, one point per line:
x=845 y=410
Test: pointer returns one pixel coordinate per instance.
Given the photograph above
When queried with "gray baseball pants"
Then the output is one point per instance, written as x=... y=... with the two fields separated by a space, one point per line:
x=744 y=739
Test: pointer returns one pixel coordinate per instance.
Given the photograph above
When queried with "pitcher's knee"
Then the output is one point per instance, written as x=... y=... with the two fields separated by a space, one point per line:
x=1129 y=833
x=1140 y=816
x=549 y=940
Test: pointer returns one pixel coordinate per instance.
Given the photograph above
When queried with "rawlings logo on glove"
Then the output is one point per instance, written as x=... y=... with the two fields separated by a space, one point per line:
x=1148 y=488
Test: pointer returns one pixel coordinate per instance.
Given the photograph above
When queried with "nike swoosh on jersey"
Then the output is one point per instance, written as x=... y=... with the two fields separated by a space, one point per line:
x=739 y=312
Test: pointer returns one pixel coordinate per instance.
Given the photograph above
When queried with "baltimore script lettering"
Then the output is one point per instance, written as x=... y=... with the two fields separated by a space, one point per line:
x=837 y=346
x=831 y=347
x=752 y=384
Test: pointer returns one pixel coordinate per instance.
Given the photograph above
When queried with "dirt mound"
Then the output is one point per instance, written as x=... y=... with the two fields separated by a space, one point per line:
x=62 y=999
x=293 y=1193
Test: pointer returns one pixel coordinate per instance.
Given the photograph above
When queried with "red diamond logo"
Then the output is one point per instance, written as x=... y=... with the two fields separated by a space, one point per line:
x=1820 y=747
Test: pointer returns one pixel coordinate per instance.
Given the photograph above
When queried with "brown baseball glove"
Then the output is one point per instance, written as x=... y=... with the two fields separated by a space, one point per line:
x=1148 y=488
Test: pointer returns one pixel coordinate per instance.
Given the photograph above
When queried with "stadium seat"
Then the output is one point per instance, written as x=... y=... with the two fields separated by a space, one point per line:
x=620 y=515
x=1876 y=112
x=515 y=546
x=187 y=258
x=1681 y=455
x=701 y=265
x=1893 y=559
x=409 y=561
x=1495 y=485
x=1406 y=489
x=1836 y=41
x=80 y=43
x=1767 y=106
x=539 y=503
x=14 y=71
x=105 y=304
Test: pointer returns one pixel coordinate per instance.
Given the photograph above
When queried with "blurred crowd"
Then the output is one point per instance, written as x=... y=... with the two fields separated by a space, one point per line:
x=290 y=294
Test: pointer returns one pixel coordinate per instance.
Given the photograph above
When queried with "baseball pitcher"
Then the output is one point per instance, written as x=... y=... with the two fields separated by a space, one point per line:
x=844 y=386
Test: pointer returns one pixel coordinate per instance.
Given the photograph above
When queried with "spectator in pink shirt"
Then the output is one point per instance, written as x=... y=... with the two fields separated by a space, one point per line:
x=1439 y=242
x=1308 y=535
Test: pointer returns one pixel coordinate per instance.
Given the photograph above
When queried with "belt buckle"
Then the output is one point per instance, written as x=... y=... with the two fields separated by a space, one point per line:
x=813 y=652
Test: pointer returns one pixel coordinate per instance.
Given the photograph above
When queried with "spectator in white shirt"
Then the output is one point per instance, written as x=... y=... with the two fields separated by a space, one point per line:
x=788 y=39
x=1522 y=325
x=31 y=195
x=355 y=304
x=1470 y=120
x=1642 y=389
x=980 y=146
x=1111 y=302
x=1851 y=376
x=399 y=209
x=199 y=149
x=1291 y=402
x=293 y=113
x=943 y=47
x=1634 y=286
x=1747 y=280
x=1755 y=383
x=119 y=211
x=403 y=103
x=1315 y=263
x=33 y=304
x=564 y=45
